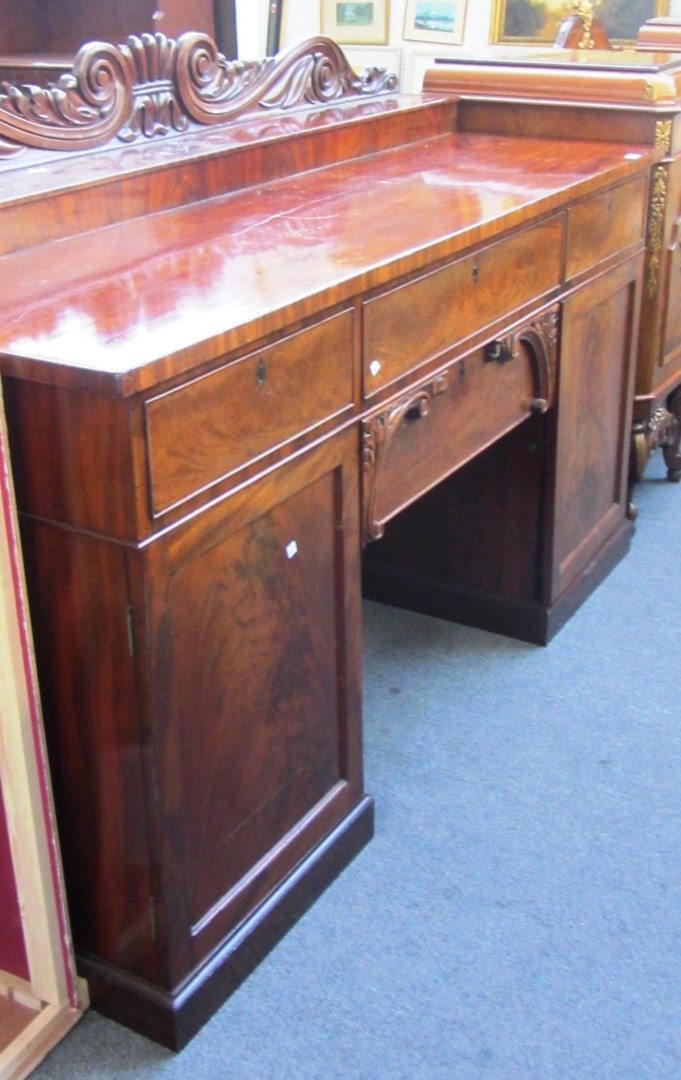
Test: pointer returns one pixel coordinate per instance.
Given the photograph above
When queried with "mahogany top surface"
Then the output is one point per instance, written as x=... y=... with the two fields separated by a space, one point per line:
x=131 y=304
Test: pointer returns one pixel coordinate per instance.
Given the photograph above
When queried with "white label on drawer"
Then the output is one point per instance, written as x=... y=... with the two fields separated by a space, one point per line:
x=291 y=550
x=375 y=367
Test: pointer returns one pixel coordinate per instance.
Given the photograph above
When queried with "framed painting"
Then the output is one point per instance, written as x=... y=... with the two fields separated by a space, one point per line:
x=538 y=21
x=440 y=21
x=275 y=10
x=363 y=23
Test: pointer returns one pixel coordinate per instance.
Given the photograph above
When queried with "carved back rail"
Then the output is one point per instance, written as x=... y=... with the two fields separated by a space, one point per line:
x=153 y=86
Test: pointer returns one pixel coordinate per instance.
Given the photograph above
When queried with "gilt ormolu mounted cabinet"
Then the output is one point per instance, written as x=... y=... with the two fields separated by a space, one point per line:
x=619 y=96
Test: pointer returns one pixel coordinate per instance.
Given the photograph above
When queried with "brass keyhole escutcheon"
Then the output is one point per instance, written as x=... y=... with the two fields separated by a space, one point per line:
x=498 y=352
x=260 y=373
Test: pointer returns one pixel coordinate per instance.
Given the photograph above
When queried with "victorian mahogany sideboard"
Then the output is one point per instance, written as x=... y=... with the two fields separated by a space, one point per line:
x=256 y=316
x=619 y=96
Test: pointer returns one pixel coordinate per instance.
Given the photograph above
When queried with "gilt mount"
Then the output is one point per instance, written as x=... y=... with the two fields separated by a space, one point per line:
x=153 y=86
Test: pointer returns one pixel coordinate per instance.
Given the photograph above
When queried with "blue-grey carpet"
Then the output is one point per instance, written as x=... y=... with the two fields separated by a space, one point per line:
x=518 y=915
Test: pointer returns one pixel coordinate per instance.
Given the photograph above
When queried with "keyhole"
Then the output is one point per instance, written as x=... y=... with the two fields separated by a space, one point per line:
x=261 y=373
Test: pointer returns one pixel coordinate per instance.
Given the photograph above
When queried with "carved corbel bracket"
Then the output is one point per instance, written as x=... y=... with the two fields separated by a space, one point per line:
x=540 y=339
x=378 y=434
x=153 y=85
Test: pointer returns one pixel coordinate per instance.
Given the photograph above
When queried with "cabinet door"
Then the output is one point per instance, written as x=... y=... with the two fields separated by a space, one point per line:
x=254 y=692
x=593 y=417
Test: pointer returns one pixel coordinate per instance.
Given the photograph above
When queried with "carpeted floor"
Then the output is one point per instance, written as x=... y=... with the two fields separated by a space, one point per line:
x=518 y=915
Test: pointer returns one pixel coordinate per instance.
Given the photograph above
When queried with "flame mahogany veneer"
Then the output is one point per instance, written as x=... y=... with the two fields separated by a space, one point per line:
x=281 y=314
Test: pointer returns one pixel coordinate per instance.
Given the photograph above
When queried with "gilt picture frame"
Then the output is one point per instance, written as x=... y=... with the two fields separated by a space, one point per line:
x=537 y=22
x=438 y=21
x=364 y=23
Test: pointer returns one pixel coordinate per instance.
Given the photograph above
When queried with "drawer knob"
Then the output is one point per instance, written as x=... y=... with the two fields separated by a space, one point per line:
x=498 y=352
x=261 y=373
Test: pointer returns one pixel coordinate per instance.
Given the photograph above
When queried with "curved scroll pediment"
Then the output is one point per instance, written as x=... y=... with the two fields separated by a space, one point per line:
x=153 y=85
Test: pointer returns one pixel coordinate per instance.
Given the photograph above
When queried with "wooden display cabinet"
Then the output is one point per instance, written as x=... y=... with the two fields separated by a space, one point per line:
x=616 y=96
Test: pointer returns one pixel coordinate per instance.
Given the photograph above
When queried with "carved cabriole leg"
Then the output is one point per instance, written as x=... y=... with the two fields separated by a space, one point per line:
x=661 y=431
x=671 y=448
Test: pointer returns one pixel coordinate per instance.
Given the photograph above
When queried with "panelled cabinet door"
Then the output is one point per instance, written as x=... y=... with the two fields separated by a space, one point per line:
x=594 y=417
x=254 y=700
x=40 y=996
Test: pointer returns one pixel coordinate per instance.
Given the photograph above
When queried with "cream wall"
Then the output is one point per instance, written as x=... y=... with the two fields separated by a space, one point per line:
x=301 y=19
x=409 y=59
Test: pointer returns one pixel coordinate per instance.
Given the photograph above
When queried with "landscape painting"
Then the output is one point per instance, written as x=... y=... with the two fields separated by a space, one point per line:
x=355 y=14
x=440 y=21
x=363 y=23
x=539 y=20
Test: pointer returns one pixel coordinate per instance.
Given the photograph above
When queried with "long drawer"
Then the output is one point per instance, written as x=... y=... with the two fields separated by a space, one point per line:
x=429 y=315
x=206 y=429
x=442 y=422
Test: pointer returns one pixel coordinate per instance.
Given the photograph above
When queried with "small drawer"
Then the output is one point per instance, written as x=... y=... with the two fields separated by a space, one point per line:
x=604 y=224
x=208 y=428
x=444 y=421
x=430 y=315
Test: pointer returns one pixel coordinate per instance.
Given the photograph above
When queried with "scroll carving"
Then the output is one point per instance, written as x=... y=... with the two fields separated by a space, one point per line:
x=314 y=72
x=378 y=433
x=85 y=108
x=152 y=85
